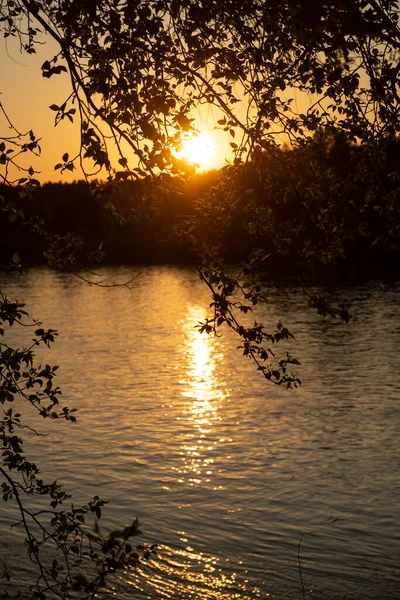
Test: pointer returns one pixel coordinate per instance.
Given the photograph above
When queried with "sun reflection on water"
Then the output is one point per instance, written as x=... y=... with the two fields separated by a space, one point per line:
x=203 y=392
x=184 y=573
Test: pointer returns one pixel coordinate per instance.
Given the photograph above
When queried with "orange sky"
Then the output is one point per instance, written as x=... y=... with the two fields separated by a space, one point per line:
x=26 y=97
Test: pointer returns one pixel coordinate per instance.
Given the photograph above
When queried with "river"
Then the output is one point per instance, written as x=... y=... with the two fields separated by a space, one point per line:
x=225 y=472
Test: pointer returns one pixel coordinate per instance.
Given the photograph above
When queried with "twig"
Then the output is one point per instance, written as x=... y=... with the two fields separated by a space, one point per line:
x=303 y=593
x=101 y=283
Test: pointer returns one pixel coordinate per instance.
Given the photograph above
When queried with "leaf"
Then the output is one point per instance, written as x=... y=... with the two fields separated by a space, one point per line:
x=54 y=107
x=65 y=156
x=16 y=258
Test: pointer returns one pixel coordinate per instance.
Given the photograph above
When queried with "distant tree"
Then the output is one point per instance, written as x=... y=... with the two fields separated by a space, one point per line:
x=138 y=68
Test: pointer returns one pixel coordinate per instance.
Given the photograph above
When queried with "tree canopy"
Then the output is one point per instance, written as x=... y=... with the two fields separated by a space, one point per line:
x=138 y=69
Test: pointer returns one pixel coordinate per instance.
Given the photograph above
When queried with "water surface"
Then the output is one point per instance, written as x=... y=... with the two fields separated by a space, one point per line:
x=224 y=471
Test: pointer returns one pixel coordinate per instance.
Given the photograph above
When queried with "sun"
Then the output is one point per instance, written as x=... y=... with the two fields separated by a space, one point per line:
x=199 y=151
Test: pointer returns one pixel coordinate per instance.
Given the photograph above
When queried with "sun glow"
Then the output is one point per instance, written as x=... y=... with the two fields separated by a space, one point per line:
x=199 y=151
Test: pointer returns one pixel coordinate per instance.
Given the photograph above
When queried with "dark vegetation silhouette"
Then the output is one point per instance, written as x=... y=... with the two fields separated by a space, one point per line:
x=327 y=206
x=322 y=75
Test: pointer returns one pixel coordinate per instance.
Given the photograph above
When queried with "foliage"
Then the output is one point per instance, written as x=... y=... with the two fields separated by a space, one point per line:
x=239 y=293
x=139 y=68
x=274 y=71
x=324 y=207
x=58 y=539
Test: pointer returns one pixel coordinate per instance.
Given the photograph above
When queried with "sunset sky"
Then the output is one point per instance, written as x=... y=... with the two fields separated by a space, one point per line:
x=26 y=97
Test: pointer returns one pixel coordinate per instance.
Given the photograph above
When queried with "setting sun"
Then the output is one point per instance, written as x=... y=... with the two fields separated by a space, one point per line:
x=199 y=150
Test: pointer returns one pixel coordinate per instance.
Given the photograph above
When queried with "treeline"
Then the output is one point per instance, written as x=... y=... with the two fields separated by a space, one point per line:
x=327 y=206
x=326 y=203
x=125 y=221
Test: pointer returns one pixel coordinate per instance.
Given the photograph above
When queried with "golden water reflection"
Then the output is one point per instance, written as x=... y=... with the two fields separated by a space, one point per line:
x=204 y=391
x=184 y=573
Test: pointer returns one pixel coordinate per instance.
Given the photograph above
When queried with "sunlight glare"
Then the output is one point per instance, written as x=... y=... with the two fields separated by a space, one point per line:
x=204 y=393
x=199 y=151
